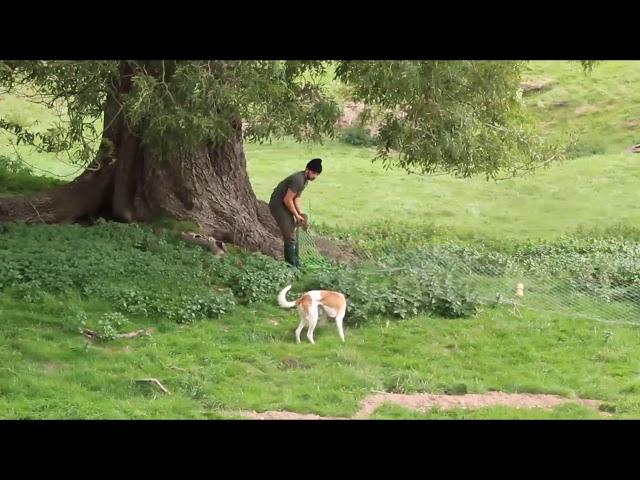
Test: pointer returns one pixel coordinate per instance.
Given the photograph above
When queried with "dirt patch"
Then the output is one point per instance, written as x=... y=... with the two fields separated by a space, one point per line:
x=631 y=123
x=289 y=363
x=277 y=415
x=340 y=252
x=52 y=366
x=425 y=401
x=529 y=86
x=350 y=113
x=586 y=109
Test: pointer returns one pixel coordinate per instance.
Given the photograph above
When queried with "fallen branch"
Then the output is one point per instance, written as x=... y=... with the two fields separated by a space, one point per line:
x=214 y=245
x=93 y=335
x=154 y=381
x=634 y=149
x=90 y=334
x=137 y=333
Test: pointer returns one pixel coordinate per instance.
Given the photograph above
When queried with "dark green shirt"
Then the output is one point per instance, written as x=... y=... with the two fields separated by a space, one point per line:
x=296 y=182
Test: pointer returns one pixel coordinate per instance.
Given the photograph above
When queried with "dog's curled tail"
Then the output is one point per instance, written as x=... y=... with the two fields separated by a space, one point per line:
x=282 y=298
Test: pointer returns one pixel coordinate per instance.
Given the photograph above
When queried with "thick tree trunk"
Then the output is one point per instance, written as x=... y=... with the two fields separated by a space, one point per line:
x=65 y=204
x=208 y=185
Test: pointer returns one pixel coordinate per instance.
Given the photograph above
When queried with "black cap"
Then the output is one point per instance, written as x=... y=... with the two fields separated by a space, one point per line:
x=315 y=165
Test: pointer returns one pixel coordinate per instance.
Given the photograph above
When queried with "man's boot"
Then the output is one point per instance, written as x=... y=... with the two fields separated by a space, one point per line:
x=291 y=255
x=297 y=245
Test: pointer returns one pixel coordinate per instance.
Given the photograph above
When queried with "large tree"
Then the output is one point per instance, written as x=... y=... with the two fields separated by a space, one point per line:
x=171 y=140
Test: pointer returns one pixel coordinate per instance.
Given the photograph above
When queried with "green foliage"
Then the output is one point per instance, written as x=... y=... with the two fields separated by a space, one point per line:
x=446 y=273
x=156 y=275
x=109 y=325
x=143 y=274
x=608 y=269
x=75 y=90
x=133 y=269
x=463 y=117
x=584 y=147
x=161 y=301
x=172 y=105
x=373 y=293
x=357 y=136
x=253 y=277
x=17 y=178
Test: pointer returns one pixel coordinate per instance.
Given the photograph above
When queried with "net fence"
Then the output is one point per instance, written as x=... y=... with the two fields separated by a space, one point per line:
x=595 y=280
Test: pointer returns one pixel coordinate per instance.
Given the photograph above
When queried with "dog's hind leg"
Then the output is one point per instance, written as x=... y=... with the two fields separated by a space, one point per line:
x=339 y=318
x=312 y=319
x=303 y=322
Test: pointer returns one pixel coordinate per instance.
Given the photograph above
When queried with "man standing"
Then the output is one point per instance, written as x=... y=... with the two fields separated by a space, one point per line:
x=285 y=208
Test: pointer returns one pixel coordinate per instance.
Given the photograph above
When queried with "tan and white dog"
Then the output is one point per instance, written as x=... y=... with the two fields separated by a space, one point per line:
x=313 y=304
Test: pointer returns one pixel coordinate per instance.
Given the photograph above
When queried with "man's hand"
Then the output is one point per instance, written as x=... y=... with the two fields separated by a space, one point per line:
x=303 y=220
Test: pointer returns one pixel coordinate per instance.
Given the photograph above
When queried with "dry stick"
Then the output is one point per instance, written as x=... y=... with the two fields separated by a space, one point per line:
x=36 y=210
x=137 y=333
x=154 y=381
x=90 y=334
x=93 y=334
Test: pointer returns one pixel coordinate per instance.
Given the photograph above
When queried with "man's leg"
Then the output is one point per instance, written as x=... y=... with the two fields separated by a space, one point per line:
x=291 y=246
x=287 y=225
x=297 y=246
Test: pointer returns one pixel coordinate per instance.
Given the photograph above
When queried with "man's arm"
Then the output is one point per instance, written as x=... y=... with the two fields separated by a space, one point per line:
x=303 y=218
x=290 y=199
x=296 y=203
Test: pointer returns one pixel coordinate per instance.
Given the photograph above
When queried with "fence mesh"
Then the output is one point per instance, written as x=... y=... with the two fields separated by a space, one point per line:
x=599 y=282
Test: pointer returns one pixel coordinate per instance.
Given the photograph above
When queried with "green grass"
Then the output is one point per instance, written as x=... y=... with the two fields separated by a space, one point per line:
x=36 y=118
x=23 y=181
x=248 y=359
x=244 y=361
x=588 y=192
x=592 y=191
x=602 y=108
x=562 y=412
